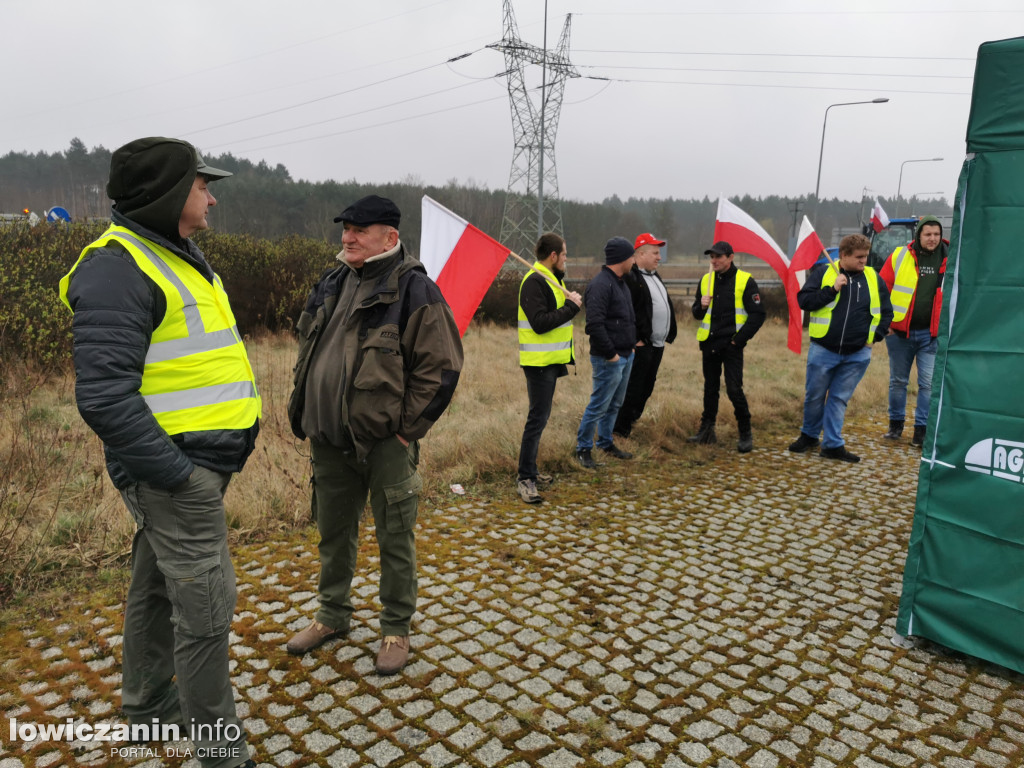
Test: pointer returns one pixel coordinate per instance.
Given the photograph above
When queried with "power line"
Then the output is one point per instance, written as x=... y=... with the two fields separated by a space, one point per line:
x=213 y=67
x=368 y=127
x=778 y=55
x=768 y=85
x=331 y=75
x=341 y=117
x=782 y=13
x=771 y=71
x=318 y=99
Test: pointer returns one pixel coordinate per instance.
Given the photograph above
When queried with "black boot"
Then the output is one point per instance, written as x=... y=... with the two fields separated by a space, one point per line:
x=746 y=443
x=895 y=429
x=584 y=457
x=918 y=438
x=705 y=434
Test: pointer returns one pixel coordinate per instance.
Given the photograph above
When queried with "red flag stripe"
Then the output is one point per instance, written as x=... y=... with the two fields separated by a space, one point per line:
x=461 y=259
x=469 y=272
x=808 y=248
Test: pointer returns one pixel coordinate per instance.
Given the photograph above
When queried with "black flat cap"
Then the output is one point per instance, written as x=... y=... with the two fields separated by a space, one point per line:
x=371 y=209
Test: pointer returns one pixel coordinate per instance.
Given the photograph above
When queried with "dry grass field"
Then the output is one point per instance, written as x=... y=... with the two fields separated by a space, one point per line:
x=59 y=514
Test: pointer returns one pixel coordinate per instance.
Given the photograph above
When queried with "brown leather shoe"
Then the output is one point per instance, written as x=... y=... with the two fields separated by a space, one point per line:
x=313 y=636
x=393 y=654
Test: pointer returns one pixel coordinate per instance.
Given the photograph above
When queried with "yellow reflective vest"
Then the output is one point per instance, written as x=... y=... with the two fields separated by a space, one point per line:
x=197 y=375
x=821 y=318
x=555 y=346
x=905 y=282
x=704 y=329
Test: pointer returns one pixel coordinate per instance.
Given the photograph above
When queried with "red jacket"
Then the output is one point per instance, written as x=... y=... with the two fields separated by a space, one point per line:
x=888 y=275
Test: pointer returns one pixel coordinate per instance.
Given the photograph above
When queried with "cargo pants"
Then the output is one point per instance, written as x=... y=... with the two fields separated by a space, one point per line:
x=178 y=615
x=341 y=484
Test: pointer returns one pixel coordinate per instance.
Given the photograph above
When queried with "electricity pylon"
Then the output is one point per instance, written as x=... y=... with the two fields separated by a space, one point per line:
x=532 y=203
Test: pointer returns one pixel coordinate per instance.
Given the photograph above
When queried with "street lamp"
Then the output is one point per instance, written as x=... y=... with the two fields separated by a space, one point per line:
x=900 y=185
x=821 y=154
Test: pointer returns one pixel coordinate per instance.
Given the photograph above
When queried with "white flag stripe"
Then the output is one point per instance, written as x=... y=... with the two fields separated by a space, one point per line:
x=806 y=230
x=441 y=230
x=727 y=212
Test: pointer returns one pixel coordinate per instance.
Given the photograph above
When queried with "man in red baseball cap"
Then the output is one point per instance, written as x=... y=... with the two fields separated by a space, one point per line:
x=655 y=327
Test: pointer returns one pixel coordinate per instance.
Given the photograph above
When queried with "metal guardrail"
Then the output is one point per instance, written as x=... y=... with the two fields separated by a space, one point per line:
x=688 y=284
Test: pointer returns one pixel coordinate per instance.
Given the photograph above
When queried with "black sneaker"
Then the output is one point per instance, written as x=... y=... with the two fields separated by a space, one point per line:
x=840 y=454
x=618 y=453
x=803 y=443
x=584 y=457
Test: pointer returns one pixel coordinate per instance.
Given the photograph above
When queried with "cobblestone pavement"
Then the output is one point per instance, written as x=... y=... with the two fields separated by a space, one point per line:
x=707 y=620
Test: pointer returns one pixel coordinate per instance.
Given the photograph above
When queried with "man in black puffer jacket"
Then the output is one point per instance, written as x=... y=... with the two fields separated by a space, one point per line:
x=611 y=326
x=163 y=379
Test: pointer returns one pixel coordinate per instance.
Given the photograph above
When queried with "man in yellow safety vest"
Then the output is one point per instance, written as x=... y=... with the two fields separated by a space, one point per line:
x=163 y=379
x=728 y=306
x=545 y=348
x=850 y=311
x=914 y=274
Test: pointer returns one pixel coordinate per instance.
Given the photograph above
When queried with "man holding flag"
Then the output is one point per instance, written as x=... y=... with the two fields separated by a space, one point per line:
x=728 y=306
x=850 y=311
x=545 y=348
x=379 y=358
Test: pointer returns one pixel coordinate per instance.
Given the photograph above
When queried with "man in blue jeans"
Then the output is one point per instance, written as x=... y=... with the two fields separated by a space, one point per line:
x=914 y=274
x=611 y=326
x=850 y=311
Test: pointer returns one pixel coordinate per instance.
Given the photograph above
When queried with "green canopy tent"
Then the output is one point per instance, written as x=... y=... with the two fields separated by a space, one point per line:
x=963 y=584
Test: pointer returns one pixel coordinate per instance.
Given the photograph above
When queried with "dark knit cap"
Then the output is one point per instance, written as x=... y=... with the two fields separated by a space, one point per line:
x=617 y=250
x=150 y=180
x=371 y=209
x=926 y=220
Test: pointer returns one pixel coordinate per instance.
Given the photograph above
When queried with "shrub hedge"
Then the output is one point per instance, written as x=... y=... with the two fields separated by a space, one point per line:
x=267 y=280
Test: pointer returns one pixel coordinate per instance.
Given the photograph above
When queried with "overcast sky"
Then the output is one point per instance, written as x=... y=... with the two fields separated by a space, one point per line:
x=705 y=97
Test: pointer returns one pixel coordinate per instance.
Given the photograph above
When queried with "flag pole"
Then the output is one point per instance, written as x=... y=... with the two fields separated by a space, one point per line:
x=830 y=260
x=529 y=266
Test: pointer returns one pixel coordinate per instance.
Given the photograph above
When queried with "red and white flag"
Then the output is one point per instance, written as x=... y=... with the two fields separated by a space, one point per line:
x=747 y=236
x=809 y=249
x=879 y=220
x=461 y=259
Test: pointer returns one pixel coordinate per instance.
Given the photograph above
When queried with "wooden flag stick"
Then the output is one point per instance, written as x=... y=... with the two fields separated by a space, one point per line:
x=831 y=261
x=529 y=266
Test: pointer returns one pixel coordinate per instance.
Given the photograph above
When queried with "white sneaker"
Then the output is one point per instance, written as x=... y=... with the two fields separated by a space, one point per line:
x=528 y=492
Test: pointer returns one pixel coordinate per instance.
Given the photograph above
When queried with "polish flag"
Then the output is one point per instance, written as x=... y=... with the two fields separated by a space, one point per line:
x=879 y=220
x=808 y=249
x=461 y=259
x=747 y=236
